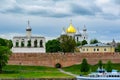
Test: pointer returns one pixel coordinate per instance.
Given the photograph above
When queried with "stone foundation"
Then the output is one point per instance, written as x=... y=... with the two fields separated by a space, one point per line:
x=28 y=50
x=68 y=59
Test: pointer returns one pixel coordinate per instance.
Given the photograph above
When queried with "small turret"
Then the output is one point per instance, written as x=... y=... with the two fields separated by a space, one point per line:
x=28 y=30
x=85 y=36
x=84 y=29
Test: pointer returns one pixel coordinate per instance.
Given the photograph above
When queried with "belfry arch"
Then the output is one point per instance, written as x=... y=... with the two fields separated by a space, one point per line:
x=35 y=43
x=41 y=43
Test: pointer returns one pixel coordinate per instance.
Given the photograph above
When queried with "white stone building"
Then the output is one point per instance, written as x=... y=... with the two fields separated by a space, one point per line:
x=28 y=43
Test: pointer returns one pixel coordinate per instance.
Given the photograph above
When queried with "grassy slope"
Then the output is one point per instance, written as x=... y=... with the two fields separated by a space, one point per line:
x=75 y=69
x=12 y=71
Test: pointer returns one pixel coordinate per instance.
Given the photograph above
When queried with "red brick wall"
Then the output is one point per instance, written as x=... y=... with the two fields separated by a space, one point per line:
x=68 y=59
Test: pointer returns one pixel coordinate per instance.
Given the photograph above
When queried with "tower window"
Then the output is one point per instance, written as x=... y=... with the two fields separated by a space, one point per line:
x=77 y=39
x=84 y=37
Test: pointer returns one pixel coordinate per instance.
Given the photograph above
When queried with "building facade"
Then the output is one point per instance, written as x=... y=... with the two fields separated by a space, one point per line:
x=97 y=48
x=75 y=33
x=28 y=43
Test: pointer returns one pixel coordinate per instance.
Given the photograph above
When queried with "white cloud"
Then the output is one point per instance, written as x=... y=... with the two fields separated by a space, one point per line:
x=50 y=16
x=64 y=8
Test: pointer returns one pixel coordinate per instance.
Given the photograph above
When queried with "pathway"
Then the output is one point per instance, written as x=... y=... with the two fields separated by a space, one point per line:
x=61 y=70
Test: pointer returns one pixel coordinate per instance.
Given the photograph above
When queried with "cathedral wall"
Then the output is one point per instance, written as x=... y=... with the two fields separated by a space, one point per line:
x=67 y=59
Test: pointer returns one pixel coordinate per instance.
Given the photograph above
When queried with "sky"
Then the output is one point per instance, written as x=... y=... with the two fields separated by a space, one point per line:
x=48 y=17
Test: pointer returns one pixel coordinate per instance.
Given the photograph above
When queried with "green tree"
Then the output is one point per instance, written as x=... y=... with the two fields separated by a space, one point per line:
x=93 y=41
x=84 y=66
x=100 y=64
x=5 y=42
x=5 y=46
x=117 y=49
x=53 y=46
x=4 y=56
x=9 y=43
x=79 y=43
x=109 y=66
x=67 y=43
x=84 y=42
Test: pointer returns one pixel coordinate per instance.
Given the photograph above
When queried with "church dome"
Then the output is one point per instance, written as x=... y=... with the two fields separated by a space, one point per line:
x=71 y=29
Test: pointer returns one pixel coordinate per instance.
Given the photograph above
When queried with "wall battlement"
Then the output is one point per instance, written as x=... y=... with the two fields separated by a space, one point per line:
x=67 y=59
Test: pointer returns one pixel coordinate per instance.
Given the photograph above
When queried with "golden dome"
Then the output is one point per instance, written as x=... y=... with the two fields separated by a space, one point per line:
x=71 y=29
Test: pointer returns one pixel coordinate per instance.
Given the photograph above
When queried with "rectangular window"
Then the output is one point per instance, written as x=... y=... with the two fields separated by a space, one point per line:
x=94 y=49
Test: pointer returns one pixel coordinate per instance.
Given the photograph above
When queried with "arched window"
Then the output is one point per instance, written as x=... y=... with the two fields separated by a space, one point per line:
x=29 y=43
x=22 y=43
x=41 y=43
x=17 y=43
x=35 y=43
x=77 y=38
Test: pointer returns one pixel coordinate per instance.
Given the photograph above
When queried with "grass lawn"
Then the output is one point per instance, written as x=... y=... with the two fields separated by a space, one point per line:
x=75 y=69
x=13 y=71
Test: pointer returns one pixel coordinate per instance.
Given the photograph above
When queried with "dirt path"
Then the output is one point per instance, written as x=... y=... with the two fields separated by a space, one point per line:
x=61 y=70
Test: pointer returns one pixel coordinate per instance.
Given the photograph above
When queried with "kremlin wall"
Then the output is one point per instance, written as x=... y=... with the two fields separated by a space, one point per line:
x=67 y=59
x=34 y=54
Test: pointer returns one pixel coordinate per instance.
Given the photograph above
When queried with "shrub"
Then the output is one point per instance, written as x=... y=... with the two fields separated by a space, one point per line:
x=84 y=66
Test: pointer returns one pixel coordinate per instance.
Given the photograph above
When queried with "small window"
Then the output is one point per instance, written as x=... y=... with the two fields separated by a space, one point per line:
x=83 y=49
x=87 y=49
x=97 y=49
x=77 y=39
x=94 y=49
x=105 y=49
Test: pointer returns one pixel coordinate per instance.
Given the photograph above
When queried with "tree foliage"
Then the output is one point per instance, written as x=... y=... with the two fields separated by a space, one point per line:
x=67 y=43
x=5 y=46
x=5 y=42
x=109 y=66
x=84 y=42
x=4 y=56
x=93 y=41
x=53 y=46
x=100 y=64
x=84 y=66
x=117 y=49
x=79 y=43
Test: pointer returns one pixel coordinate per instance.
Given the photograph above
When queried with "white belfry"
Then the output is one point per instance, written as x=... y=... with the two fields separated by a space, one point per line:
x=28 y=43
